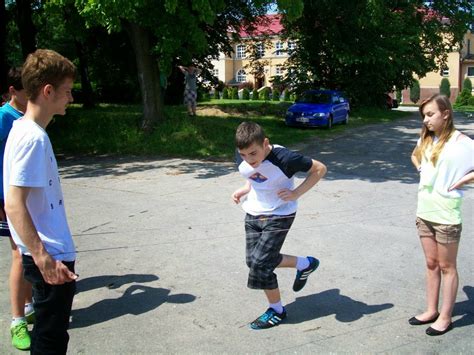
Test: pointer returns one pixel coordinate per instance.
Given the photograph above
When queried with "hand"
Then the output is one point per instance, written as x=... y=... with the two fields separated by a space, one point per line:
x=466 y=179
x=238 y=194
x=54 y=271
x=288 y=195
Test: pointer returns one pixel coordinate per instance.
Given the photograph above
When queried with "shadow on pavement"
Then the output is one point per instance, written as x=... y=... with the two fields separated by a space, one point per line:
x=137 y=299
x=465 y=309
x=330 y=302
x=112 y=281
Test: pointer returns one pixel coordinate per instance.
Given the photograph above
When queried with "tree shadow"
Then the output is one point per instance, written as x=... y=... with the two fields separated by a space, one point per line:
x=465 y=308
x=376 y=153
x=330 y=302
x=137 y=299
x=112 y=281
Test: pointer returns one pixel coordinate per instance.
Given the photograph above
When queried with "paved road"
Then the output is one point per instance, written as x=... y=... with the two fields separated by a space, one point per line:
x=161 y=256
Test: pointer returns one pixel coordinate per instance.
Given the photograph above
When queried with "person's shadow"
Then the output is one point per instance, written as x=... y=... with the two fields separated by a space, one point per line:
x=465 y=308
x=330 y=302
x=112 y=281
x=136 y=299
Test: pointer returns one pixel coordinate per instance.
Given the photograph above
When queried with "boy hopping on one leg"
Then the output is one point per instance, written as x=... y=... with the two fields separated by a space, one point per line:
x=271 y=208
x=20 y=289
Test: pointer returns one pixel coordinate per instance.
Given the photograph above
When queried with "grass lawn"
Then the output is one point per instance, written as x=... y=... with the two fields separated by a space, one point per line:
x=114 y=129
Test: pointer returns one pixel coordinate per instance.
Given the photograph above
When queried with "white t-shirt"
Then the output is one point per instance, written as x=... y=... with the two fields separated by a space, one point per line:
x=276 y=172
x=29 y=162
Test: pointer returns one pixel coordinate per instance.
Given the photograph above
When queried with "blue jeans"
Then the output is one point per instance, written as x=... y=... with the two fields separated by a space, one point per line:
x=52 y=305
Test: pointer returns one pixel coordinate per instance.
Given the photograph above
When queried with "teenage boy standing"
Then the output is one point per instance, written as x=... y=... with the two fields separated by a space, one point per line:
x=34 y=200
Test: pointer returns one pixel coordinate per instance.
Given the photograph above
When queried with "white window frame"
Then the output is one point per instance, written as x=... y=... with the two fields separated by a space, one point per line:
x=279 y=71
x=215 y=72
x=241 y=76
x=260 y=50
x=467 y=72
x=240 y=51
x=291 y=46
x=445 y=72
x=279 y=48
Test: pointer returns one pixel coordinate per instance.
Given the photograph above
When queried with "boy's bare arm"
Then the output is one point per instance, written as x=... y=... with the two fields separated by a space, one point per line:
x=54 y=272
x=239 y=193
x=317 y=171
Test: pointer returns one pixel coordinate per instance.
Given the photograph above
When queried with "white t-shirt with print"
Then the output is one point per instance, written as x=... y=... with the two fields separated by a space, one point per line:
x=29 y=161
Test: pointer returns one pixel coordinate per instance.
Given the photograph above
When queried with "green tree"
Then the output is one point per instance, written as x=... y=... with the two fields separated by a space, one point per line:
x=245 y=94
x=254 y=94
x=415 y=91
x=276 y=95
x=156 y=39
x=372 y=44
x=225 y=93
x=467 y=85
x=445 y=87
x=234 y=93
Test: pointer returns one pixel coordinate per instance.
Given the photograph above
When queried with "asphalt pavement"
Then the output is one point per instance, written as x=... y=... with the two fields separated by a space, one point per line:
x=161 y=256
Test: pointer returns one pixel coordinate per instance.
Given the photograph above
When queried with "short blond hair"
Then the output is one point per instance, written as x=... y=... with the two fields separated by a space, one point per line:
x=44 y=67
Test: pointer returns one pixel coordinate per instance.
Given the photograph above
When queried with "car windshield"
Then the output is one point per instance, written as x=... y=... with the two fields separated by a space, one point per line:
x=315 y=98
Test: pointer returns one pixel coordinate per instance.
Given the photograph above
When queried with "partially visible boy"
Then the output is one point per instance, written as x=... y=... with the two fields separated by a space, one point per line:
x=34 y=201
x=271 y=208
x=20 y=289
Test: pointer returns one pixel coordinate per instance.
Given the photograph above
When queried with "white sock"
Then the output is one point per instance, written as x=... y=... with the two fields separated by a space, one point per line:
x=277 y=307
x=17 y=320
x=29 y=308
x=302 y=262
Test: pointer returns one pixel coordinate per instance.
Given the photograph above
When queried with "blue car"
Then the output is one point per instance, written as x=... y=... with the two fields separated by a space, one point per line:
x=318 y=108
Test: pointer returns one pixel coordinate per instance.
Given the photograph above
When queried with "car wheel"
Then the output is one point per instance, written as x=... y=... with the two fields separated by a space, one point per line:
x=329 y=124
x=346 y=119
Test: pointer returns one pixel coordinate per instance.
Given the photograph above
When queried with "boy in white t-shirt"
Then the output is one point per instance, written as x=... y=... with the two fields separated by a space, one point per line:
x=270 y=208
x=34 y=202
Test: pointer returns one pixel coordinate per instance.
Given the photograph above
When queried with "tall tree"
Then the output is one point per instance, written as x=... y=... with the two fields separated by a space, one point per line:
x=3 y=46
x=368 y=47
x=26 y=26
x=163 y=30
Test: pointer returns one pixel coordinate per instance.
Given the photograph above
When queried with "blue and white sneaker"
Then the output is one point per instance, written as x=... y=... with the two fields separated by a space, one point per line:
x=268 y=319
x=302 y=276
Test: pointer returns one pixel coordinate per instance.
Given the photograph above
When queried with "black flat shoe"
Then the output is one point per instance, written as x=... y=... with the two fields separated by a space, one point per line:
x=433 y=332
x=416 y=321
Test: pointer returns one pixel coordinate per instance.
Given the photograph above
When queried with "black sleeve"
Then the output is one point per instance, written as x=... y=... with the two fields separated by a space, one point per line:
x=292 y=162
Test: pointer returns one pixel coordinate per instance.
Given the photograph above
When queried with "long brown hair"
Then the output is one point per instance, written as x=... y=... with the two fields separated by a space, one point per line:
x=427 y=136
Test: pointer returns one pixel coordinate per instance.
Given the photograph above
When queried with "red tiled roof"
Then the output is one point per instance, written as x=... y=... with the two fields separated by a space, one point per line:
x=266 y=25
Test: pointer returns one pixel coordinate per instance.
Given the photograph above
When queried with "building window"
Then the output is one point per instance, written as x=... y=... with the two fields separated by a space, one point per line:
x=279 y=48
x=240 y=51
x=215 y=72
x=279 y=70
x=444 y=71
x=470 y=71
x=260 y=50
x=291 y=46
x=241 y=76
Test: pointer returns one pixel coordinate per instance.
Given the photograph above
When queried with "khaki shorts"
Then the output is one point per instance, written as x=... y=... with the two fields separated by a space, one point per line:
x=443 y=233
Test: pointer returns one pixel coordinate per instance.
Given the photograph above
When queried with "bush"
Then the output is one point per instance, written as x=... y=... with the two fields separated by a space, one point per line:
x=286 y=95
x=467 y=85
x=255 y=94
x=245 y=94
x=217 y=95
x=276 y=95
x=463 y=98
x=470 y=102
x=293 y=97
x=445 y=87
x=264 y=94
x=225 y=93
x=234 y=93
x=415 y=91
